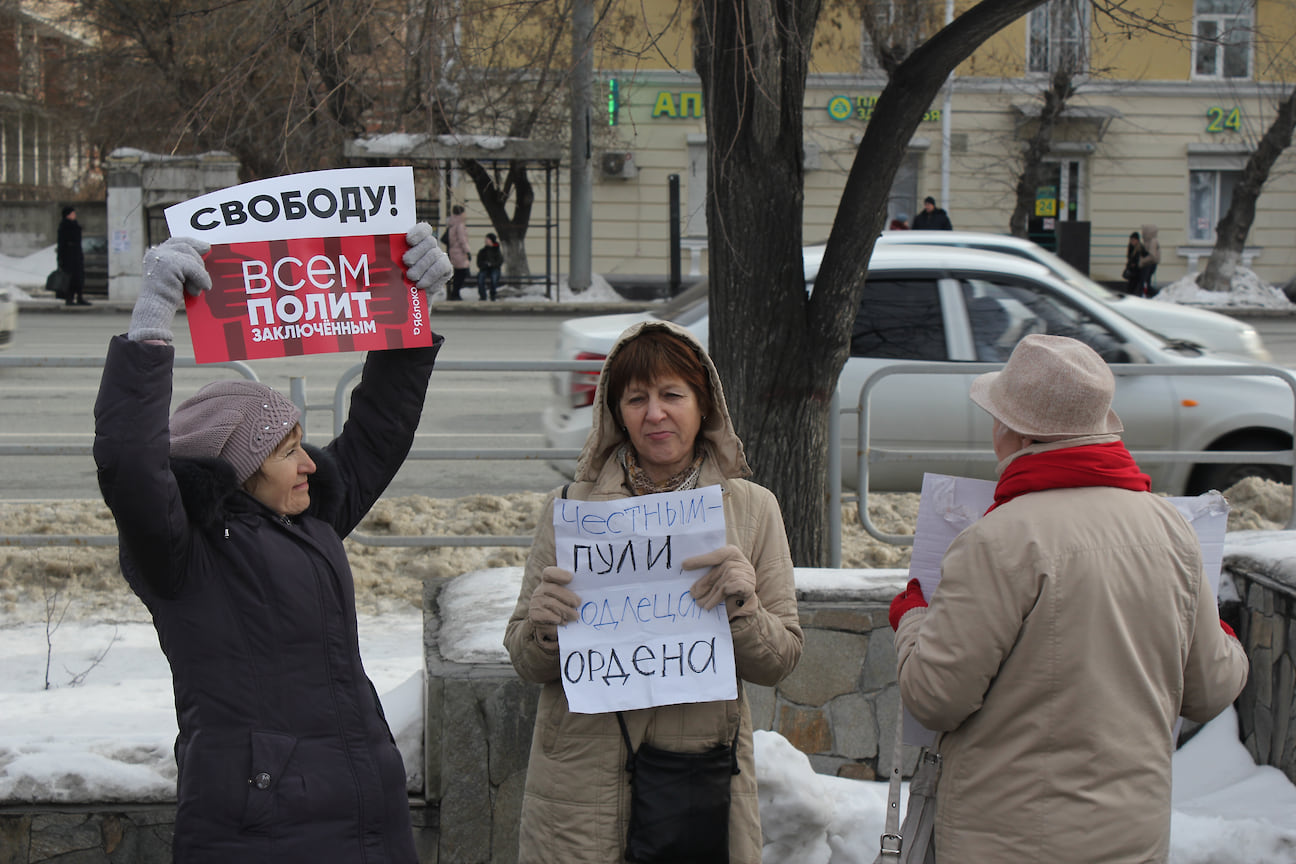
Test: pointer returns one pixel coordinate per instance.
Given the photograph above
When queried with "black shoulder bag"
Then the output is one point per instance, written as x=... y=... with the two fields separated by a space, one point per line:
x=679 y=803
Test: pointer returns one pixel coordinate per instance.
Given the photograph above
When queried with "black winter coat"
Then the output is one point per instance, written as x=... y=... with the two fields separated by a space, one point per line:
x=283 y=753
x=68 y=253
x=489 y=257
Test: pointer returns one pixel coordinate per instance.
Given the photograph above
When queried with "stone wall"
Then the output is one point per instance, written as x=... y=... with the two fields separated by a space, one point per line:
x=1267 y=627
x=125 y=834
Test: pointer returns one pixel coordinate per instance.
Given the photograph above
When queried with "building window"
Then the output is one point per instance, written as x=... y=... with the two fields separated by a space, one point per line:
x=1222 y=47
x=1209 y=194
x=1058 y=31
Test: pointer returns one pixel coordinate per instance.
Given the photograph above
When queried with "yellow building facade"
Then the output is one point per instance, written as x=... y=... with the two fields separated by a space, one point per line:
x=1157 y=133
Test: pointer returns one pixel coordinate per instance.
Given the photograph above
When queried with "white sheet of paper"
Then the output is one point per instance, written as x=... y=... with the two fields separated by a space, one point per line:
x=640 y=640
x=950 y=504
x=337 y=202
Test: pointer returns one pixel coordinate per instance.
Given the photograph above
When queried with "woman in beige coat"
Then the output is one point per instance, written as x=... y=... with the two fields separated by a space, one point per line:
x=1072 y=625
x=660 y=424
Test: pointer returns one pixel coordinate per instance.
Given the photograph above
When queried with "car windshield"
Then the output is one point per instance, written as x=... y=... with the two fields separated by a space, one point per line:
x=1075 y=278
x=686 y=307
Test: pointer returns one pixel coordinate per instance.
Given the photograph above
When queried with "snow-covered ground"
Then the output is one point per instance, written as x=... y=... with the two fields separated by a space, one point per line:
x=1247 y=290
x=29 y=272
x=103 y=732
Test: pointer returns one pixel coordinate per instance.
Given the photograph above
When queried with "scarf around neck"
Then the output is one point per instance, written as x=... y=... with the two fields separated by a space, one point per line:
x=1108 y=464
x=642 y=484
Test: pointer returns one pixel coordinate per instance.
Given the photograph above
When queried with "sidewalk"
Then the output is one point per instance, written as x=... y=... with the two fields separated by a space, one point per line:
x=569 y=309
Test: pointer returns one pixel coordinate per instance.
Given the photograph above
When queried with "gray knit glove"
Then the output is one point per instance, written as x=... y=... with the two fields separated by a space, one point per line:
x=169 y=270
x=426 y=264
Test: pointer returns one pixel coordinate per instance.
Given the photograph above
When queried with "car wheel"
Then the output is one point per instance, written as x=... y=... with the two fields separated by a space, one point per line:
x=1223 y=475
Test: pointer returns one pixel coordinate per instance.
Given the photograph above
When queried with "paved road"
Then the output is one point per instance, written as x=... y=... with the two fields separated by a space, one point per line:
x=1279 y=335
x=464 y=410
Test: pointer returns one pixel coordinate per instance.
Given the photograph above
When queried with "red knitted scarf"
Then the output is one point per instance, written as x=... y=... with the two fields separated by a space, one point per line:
x=1071 y=467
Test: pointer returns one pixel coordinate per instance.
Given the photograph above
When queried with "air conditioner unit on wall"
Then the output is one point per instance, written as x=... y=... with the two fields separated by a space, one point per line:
x=618 y=165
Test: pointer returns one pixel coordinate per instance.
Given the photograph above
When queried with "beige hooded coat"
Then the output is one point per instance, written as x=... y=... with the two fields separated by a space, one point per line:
x=1070 y=628
x=1151 y=247
x=576 y=804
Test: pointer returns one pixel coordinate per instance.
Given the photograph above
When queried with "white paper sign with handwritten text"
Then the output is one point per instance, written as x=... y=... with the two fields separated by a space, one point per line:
x=640 y=640
x=950 y=504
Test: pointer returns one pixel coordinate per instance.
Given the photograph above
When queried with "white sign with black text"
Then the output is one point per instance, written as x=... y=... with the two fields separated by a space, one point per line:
x=640 y=640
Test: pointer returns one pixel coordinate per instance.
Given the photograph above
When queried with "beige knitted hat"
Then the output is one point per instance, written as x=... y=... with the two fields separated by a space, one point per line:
x=241 y=422
x=1052 y=387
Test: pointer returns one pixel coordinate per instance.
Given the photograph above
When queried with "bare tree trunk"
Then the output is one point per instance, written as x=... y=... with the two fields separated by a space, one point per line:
x=752 y=59
x=1061 y=88
x=511 y=227
x=1231 y=233
x=780 y=352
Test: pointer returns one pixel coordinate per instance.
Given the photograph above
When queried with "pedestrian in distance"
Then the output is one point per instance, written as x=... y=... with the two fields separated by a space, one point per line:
x=660 y=424
x=71 y=260
x=1072 y=625
x=490 y=260
x=460 y=251
x=231 y=530
x=1133 y=253
x=1148 y=260
x=899 y=223
x=931 y=217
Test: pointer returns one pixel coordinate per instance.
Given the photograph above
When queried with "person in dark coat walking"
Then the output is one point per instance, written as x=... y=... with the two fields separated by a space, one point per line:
x=1133 y=252
x=71 y=260
x=931 y=217
x=230 y=530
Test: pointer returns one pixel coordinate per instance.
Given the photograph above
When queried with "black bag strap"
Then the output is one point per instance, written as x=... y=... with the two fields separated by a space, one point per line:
x=630 y=751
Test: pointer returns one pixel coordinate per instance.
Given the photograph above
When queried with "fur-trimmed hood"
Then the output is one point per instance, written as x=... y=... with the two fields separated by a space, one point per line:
x=719 y=437
x=210 y=490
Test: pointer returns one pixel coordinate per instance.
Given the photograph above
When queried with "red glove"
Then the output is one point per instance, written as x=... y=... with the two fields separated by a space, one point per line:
x=1227 y=629
x=910 y=598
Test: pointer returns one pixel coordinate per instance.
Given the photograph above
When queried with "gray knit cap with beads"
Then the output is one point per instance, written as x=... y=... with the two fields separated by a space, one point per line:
x=239 y=421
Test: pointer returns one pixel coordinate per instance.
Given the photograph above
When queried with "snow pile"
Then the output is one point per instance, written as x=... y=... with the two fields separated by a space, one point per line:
x=28 y=272
x=1227 y=810
x=1247 y=290
x=103 y=729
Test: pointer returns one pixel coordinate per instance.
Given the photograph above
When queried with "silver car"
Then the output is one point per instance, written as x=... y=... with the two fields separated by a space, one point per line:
x=932 y=303
x=1210 y=330
x=8 y=316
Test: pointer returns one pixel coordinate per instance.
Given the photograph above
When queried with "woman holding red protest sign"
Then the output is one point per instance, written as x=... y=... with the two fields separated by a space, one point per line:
x=231 y=533
x=661 y=425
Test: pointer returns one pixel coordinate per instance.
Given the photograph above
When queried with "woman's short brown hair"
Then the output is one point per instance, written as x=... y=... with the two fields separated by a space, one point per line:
x=653 y=354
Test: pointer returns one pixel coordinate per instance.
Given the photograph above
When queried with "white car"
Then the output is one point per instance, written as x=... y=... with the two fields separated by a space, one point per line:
x=935 y=303
x=8 y=316
x=1210 y=330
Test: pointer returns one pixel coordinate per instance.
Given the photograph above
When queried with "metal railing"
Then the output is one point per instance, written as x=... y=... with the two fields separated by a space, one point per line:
x=338 y=407
x=868 y=454
x=89 y=363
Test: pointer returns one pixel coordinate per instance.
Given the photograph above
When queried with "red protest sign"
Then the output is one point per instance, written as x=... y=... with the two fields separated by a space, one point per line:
x=278 y=298
x=304 y=264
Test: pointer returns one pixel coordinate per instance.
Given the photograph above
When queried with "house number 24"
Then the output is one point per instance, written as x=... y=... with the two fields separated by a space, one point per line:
x=1219 y=119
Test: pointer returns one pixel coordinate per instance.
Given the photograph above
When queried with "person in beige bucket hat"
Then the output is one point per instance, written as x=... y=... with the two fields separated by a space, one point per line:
x=1073 y=623
x=1051 y=388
